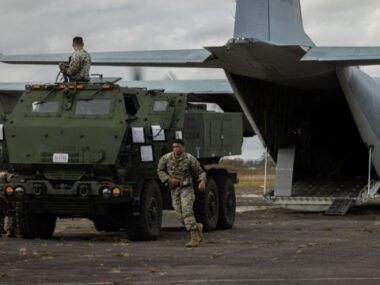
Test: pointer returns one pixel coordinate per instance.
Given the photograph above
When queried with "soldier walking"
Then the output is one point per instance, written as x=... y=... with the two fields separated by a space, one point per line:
x=176 y=169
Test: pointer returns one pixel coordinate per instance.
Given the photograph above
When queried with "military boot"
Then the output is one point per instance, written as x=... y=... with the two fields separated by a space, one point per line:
x=11 y=234
x=10 y=226
x=200 y=232
x=194 y=241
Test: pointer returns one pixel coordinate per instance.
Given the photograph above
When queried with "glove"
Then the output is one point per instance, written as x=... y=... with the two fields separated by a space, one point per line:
x=62 y=66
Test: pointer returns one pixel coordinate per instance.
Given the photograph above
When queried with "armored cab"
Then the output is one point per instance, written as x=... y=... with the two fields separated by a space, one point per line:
x=91 y=150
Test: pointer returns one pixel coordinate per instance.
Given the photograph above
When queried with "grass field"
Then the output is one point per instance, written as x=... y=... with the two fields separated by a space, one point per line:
x=251 y=181
x=254 y=183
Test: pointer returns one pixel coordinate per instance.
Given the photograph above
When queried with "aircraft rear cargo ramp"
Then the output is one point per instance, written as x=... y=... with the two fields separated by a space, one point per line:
x=331 y=197
x=334 y=197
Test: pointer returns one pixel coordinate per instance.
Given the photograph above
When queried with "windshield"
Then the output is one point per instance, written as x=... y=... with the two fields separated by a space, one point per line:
x=45 y=107
x=160 y=106
x=93 y=107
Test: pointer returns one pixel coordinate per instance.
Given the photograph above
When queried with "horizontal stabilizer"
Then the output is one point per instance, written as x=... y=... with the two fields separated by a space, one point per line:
x=344 y=56
x=216 y=86
x=164 y=58
x=12 y=87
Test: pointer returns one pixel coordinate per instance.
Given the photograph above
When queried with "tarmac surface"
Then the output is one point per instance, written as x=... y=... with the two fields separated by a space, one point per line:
x=266 y=246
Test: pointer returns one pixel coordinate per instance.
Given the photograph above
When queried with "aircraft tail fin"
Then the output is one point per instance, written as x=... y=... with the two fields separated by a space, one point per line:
x=275 y=21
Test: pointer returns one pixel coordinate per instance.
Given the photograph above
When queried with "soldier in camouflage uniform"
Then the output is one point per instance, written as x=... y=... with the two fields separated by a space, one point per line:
x=7 y=212
x=177 y=169
x=10 y=221
x=78 y=69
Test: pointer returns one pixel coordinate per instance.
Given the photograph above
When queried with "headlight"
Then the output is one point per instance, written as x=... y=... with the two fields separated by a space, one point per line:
x=116 y=192
x=9 y=190
x=19 y=191
x=106 y=192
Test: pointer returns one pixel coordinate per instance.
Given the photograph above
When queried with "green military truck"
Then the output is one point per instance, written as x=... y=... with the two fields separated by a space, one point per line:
x=91 y=150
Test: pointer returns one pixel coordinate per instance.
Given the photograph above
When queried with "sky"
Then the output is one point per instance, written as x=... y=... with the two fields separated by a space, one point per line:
x=47 y=26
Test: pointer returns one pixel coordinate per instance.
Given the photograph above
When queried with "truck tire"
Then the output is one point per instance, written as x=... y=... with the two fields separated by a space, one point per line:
x=227 y=203
x=147 y=225
x=32 y=225
x=26 y=221
x=105 y=224
x=206 y=206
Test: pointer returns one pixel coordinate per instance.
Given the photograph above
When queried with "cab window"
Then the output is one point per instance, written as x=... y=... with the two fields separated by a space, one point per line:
x=160 y=106
x=45 y=107
x=93 y=107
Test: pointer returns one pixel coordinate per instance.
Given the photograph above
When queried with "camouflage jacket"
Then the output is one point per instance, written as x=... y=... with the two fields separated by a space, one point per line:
x=182 y=168
x=79 y=66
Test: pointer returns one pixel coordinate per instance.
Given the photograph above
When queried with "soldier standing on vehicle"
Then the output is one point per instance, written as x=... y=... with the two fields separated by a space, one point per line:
x=176 y=169
x=78 y=68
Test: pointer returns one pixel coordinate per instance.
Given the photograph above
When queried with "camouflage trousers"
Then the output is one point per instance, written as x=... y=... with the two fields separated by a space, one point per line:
x=7 y=223
x=8 y=218
x=183 y=201
x=10 y=223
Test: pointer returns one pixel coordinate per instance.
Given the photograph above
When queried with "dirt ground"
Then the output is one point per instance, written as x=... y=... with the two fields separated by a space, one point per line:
x=266 y=246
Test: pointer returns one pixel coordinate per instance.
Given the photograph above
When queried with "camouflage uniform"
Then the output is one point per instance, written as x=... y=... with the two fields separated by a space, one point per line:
x=10 y=221
x=182 y=168
x=7 y=211
x=79 y=66
x=7 y=219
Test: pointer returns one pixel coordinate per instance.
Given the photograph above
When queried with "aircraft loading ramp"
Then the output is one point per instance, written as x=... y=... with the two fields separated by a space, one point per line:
x=331 y=197
x=334 y=197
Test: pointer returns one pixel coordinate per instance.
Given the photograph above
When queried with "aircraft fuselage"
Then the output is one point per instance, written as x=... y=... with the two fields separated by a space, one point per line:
x=325 y=112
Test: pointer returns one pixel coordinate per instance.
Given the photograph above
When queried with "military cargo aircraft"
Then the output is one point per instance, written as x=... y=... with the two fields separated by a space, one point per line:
x=312 y=107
